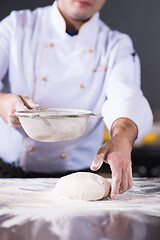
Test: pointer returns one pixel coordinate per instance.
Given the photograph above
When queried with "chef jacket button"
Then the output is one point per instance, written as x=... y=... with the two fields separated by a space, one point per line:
x=64 y=155
x=89 y=50
x=50 y=44
x=31 y=149
x=43 y=78
x=80 y=85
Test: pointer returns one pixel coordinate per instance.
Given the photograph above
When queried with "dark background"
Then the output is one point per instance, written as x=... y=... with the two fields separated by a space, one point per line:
x=139 y=18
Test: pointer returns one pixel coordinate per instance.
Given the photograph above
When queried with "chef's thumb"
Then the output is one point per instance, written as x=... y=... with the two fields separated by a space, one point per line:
x=25 y=103
x=29 y=103
x=97 y=162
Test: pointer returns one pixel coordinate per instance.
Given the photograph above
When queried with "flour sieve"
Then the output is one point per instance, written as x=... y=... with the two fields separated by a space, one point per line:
x=55 y=124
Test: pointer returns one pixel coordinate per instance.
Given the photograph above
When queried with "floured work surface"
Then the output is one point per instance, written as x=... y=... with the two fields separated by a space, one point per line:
x=29 y=210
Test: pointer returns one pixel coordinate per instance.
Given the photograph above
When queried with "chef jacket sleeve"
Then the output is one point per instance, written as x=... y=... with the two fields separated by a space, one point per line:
x=123 y=89
x=6 y=29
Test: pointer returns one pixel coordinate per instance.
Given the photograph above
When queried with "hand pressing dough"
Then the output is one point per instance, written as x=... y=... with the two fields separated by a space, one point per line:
x=83 y=186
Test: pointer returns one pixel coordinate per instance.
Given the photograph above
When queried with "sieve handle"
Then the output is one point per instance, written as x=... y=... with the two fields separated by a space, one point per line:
x=96 y=115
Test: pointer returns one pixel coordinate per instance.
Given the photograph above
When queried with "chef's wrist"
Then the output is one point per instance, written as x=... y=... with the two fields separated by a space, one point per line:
x=125 y=129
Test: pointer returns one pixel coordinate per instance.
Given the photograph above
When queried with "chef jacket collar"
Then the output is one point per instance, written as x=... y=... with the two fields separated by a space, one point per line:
x=88 y=31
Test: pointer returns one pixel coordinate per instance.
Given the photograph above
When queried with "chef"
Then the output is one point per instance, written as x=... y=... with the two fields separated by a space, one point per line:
x=64 y=56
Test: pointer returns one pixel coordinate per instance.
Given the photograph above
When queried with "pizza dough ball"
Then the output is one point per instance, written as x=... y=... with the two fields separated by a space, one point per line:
x=83 y=186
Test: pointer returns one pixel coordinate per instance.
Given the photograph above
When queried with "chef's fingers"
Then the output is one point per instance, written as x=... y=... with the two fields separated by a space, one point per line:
x=130 y=181
x=116 y=169
x=97 y=162
x=20 y=105
x=127 y=181
x=124 y=181
x=116 y=181
x=30 y=103
x=125 y=175
x=24 y=103
x=13 y=121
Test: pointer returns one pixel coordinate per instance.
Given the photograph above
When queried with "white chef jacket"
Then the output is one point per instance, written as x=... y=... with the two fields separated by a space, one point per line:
x=97 y=69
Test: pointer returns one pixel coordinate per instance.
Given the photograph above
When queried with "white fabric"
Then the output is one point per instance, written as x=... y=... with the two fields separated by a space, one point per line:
x=25 y=53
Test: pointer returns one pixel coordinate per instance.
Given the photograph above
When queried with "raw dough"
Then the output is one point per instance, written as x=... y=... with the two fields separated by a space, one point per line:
x=83 y=186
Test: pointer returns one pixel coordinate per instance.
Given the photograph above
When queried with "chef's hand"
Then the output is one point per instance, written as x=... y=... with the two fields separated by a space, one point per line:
x=117 y=153
x=9 y=103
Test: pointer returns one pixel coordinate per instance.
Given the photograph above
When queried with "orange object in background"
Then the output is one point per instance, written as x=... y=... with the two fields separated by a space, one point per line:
x=150 y=138
x=106 y=136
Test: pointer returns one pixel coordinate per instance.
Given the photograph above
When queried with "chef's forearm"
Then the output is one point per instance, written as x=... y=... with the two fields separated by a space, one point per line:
x=125 y=128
